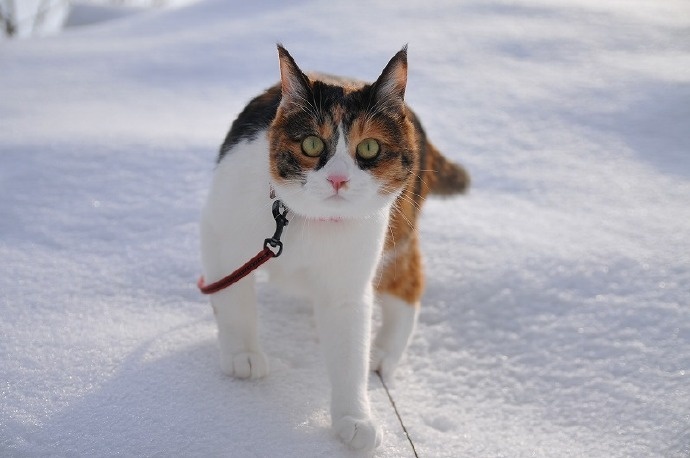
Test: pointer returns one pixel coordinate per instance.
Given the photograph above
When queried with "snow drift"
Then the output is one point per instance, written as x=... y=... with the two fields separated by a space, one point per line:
x=556 y=320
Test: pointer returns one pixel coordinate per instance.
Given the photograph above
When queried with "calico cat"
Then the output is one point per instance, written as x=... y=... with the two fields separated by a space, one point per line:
x=353 y=165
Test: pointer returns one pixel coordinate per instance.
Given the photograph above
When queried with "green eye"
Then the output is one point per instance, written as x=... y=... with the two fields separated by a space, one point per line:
x=312 y=146
x=368 y=149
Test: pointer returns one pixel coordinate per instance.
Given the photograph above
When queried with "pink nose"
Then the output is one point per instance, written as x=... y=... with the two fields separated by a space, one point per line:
x=338 y=181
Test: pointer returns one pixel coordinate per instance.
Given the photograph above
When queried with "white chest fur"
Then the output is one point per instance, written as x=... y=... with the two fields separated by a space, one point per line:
x=330 y=262
x=237 y=218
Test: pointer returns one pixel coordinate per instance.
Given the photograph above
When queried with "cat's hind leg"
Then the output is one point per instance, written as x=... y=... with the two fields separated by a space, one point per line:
x=397 y=292
x=398 y=320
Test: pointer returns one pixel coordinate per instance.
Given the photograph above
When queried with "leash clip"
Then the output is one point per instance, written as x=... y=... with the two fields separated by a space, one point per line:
x=280 y=215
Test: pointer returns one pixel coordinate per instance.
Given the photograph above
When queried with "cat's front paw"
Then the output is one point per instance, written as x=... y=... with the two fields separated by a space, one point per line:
x=359 y=433
x=247 y=364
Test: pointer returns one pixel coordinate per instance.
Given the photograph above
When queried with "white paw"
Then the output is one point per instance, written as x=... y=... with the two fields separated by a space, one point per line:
x=248 y=364
x=358 y=433
x=384 y=362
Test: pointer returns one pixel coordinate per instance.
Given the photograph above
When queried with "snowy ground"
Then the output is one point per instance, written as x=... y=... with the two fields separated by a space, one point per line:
x=556 y=320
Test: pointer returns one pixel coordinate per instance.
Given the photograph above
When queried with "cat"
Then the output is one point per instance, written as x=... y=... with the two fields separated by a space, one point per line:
x=352 y=164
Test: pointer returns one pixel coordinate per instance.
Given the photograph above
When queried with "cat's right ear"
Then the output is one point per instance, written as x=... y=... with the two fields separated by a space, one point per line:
x=294 y=84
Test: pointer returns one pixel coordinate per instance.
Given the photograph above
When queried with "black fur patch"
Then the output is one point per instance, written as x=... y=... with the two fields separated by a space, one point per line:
x=298 y=125
x=406 y=160
x=288 y=167
x=325 y=96
x=256 y=116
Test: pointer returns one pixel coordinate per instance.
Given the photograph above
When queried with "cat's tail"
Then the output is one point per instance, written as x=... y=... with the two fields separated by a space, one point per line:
x=442 y=176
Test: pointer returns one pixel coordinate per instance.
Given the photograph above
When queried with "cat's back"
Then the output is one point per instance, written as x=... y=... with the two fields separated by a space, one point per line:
x=253 y=120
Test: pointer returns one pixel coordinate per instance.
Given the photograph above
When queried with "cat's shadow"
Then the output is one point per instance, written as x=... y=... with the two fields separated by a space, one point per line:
x=181 y=404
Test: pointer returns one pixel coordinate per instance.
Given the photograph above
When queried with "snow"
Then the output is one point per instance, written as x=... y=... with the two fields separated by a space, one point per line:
x=32 y=17
x=556 y=320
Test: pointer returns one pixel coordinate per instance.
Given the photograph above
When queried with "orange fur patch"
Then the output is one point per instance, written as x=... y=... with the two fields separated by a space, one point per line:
x=401 y=273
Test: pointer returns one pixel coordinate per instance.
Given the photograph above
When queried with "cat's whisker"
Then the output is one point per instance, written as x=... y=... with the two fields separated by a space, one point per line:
x=378 y=108
x=320 y=103
x=405 y=197
x=407 y=221
x=419 y=176
x=411 y=199
x=400 y=211
x=306 y=107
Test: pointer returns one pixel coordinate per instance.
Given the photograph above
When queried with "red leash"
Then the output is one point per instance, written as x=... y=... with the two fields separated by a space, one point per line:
x=251 y=265
x=279 y=214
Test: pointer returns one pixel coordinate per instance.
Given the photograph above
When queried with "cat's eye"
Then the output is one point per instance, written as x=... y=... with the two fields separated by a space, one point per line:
x=312 y=146
x=368 y=149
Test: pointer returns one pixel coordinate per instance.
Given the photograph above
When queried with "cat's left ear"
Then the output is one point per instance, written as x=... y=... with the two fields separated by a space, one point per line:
x=390 y=86
x=294 y=84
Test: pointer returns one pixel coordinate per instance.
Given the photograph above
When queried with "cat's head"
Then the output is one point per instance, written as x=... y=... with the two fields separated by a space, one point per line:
x=338 y=148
